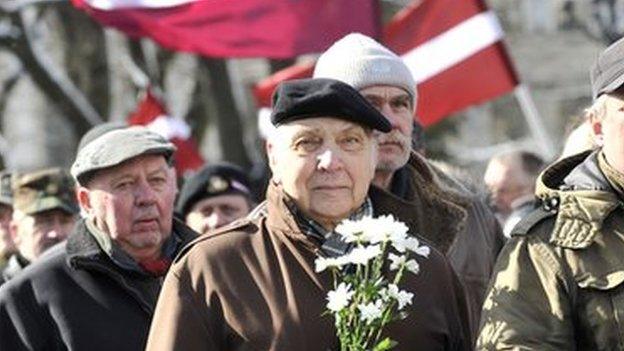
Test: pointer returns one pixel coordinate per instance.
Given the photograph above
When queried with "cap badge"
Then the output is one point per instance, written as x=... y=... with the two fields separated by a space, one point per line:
x=52 y=188
x=217 y=184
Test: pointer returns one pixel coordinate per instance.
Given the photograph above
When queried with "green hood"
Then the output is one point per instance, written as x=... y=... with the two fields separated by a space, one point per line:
x=579 y=192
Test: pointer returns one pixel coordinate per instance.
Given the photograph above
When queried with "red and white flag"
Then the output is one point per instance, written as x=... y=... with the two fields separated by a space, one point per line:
x=263 y=90
x=455 y=52
x=238 y=28
x=453 y=49
x=151 y=113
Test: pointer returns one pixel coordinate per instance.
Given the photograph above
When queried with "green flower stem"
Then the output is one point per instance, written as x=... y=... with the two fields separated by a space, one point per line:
x=399 y=275
x=385 y=318
x=366 y=280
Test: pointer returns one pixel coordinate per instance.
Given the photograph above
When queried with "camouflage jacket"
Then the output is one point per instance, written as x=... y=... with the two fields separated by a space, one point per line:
x=558 y=283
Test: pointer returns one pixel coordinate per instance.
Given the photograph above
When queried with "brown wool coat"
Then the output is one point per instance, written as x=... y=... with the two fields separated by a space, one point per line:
x=456 y=222
x=252 y=286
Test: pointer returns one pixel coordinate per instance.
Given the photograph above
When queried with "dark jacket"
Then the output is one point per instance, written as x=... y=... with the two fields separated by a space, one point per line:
x=252 y=286
x=75 y=298
x=559 y=282
x=14 y=266
x=457 y=222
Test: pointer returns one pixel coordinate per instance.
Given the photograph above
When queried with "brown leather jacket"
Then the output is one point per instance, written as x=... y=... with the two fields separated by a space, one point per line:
x=458 y=223
x=252 y=286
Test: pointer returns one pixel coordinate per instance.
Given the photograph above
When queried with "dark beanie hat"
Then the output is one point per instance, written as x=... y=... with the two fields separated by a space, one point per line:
x=212 y=180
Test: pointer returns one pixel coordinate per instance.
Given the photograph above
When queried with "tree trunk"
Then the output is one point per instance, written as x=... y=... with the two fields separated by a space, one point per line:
x=228 y=119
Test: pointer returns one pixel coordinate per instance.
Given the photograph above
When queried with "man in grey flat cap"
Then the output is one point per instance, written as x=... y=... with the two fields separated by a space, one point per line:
x=97 y=291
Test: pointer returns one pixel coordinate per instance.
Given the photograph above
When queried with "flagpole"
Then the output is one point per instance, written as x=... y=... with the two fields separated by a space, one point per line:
x=536 y=124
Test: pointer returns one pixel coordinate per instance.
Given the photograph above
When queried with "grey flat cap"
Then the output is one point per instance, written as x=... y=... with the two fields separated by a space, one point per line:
x=117 y=146
x=607 y=73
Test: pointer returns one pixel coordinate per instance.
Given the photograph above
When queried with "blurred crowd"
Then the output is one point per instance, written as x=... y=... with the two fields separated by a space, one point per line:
x=118 y=253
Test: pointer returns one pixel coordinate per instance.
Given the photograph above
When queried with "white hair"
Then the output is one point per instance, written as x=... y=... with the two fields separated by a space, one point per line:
x=599 y=108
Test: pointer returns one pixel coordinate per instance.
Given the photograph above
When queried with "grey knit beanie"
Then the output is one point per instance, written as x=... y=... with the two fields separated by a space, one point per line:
x=362 y=62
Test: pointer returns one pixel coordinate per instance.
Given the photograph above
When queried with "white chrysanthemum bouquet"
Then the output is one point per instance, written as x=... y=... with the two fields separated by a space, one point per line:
x=364 y=300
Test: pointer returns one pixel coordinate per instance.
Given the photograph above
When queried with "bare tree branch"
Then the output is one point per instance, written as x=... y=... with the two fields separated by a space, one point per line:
x=228 y=117
x=136 y=74
x=8 y=31
x=604 y=24
x=150 y=56
x=11 y=6
x=49 y=77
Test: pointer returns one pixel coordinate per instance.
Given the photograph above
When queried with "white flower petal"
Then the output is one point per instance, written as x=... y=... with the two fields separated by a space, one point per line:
x=396 y=261
x=339 y=298
x=399 y=244
x=349 y=230
x=412 y=266
x=321 y=264
x=371 y=311
x=423 y=251
x=363 y=254
x=411 y=243
x=404 y=298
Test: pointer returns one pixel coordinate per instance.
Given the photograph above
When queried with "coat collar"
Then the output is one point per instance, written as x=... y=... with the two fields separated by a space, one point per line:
x=438 y=202
x=81 y=244
x=279 y=218
x=435 y=206
x=583 y=199
x=13 y=267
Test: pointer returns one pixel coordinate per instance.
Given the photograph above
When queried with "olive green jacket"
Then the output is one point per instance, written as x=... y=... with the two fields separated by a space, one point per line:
x=558 y=283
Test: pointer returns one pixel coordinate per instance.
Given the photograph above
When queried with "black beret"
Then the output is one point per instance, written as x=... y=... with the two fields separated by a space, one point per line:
x=212 y=180
x=321 y=97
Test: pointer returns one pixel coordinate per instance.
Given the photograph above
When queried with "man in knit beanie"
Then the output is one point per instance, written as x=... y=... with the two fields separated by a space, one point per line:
x=457 y=221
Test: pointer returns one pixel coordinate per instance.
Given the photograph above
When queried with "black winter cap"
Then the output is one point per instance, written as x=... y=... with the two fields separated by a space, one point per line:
x=321 y=97
x=212 y=180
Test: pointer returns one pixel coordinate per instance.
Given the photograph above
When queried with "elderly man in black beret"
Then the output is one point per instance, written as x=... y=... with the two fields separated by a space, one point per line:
x=97 y=291
x=217 y=195
x=252 y=285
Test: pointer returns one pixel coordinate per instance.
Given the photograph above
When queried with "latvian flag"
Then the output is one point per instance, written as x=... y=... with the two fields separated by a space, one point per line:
x=454 y=50
x=238 y=28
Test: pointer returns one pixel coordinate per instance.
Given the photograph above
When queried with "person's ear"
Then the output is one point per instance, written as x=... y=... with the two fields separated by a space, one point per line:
x=84 y=199
x=595 y=123
x=271 y=151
